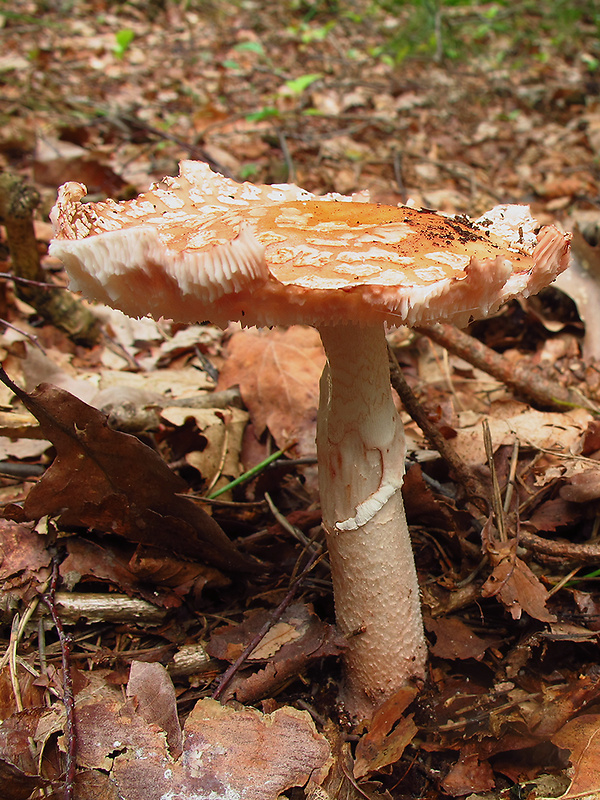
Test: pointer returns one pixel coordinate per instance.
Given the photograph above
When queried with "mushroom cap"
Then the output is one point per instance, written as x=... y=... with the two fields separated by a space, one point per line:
x=203 y=247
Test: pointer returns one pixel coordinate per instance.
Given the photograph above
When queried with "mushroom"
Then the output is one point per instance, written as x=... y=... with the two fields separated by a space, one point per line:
x=201 y=246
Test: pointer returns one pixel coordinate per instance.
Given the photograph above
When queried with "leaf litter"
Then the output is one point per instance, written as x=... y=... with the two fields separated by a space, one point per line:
x=510 y=702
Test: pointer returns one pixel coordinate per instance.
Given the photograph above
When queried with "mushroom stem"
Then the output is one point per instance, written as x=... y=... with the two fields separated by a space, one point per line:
x=360 y=446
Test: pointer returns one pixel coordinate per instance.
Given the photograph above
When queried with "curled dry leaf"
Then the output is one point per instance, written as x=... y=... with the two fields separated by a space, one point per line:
x=296 y=640
x=110 y=481
x=388 y=735
x=160 y=578
x=153 y=694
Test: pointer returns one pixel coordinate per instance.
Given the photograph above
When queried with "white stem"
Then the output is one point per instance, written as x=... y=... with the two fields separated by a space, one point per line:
x=360 y=446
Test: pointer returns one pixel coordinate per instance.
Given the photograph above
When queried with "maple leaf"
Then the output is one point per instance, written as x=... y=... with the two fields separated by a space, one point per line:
x=112 y=482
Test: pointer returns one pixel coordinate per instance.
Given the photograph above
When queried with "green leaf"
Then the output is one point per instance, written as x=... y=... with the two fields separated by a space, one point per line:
x=265 y=113
x=250 y=47
x=248 y=171
x=123 y=39
x=298 y=85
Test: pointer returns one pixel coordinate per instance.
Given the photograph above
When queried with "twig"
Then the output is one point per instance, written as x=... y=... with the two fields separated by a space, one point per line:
x=21 y=470
x=496 y=498
x=10 y=276
x=522 y=379
x=29 y=612
x=285 y=523
x=229 y=673
x=572 y=551
x=33 y=339
x=68 y=696
x=475 y=489
x=287 y=157
x=12 y=662
x=512 y=476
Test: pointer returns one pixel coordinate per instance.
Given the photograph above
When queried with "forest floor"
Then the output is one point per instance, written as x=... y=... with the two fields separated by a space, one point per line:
x=118 y=553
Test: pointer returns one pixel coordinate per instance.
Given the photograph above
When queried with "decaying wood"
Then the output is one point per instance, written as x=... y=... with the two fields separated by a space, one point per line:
x=18 y=201
x=105 y=607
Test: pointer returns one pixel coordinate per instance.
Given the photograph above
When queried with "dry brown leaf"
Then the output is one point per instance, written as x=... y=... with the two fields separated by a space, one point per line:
x=298 y=639
x=582 y=487
x=388 y=735
x=563 y=701
x=160 y=578
x=510 y=420
x=56 y=161
x=278 y=373
x=226 y=752
x=553 y=514
x=153 y=695
x=517 y=588
x=454 y=639
x=110 y=481
x=582 y=737
x=511 y=581
x=18 y=768
x=469 y=774
x=223 y=431
x=23 y=553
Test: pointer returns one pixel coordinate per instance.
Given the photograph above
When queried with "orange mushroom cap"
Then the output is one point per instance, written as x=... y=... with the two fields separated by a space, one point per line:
x=202 y=247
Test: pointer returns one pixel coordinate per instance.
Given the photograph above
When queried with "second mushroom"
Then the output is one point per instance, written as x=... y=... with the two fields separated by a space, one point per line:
x=202 y=247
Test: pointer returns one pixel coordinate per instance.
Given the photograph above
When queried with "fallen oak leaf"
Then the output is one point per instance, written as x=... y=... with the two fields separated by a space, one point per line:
x=18 y=776
x=153 y=694
x=161 y=578
x=456 y=640
x=110 y=481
